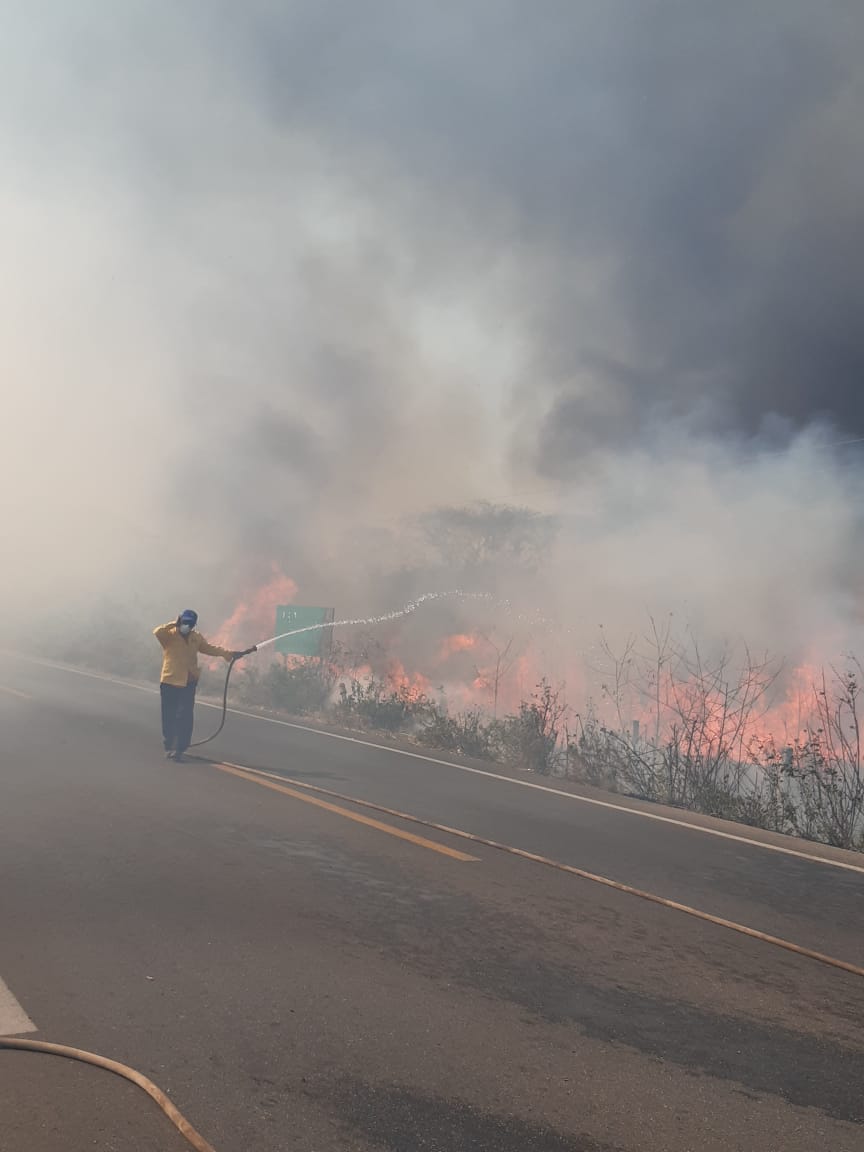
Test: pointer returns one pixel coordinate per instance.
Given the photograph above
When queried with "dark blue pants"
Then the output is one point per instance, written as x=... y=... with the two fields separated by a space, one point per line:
x=178 y=715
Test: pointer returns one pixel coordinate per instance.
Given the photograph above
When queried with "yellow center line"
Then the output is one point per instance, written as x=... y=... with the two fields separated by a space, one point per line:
x=605 y=881
x=15 y=692
x=399 y=833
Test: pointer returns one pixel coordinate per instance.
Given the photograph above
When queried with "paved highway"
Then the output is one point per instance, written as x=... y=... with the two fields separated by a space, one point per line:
x=329 y=978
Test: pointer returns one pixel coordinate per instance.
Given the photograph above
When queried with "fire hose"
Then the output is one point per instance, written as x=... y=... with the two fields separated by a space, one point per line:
x=233 y=661
x=194 y=1138
x=396 y=614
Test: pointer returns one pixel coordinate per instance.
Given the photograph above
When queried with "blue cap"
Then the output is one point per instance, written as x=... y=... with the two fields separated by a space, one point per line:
x=187 y=616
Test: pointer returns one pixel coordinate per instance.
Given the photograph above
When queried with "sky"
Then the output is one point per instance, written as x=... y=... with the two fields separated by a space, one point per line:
x=280 y=279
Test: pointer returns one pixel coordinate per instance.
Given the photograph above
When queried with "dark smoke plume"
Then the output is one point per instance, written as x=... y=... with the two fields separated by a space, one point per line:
x=284 y=279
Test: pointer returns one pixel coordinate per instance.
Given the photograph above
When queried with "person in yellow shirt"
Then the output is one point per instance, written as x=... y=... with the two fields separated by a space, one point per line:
x=181 y=643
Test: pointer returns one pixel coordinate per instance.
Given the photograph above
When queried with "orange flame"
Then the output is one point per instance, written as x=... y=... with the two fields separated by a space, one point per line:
x=790 y=719
x=713 y=720
x=460 y=642
x=254 y=617
x=473 y=675
x=413 y=686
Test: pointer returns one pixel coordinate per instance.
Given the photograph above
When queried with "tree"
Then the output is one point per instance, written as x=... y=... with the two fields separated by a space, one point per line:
x=498 y=671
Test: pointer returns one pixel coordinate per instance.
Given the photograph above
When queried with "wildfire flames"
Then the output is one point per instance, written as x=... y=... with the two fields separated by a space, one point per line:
x=731 y=715
x=253 y=618
x=460 y=642
x=473 y=672
x=412 y=686
x=796 y=714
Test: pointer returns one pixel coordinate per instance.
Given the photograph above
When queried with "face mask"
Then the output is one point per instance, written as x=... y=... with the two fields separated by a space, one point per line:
x=185 y=629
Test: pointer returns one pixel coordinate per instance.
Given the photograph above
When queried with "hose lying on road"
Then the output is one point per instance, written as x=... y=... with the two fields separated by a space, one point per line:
x=177 y=1119
x=199 y=743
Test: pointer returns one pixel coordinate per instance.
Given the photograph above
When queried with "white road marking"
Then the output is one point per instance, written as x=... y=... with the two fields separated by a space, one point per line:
x=750 y=842
x=15 y=692
x=13 y=1019
x=93 y=675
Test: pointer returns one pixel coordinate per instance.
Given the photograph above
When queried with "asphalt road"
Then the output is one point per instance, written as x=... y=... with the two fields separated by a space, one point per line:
x=298 y=979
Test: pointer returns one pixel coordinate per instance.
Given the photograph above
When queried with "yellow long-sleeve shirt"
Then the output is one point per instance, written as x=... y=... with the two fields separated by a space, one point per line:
x=180 y=654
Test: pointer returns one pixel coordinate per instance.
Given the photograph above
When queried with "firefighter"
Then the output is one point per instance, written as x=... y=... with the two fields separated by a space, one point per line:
x=181 y=643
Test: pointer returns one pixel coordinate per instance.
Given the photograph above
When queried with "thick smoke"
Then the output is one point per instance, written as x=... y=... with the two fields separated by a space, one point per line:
x=281 y=280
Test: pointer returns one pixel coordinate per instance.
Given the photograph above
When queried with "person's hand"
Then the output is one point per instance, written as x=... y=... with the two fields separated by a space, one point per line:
x=245 y=652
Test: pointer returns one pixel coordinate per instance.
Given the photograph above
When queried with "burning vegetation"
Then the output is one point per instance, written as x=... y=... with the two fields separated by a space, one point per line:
x=724 y=732
x=660 y=708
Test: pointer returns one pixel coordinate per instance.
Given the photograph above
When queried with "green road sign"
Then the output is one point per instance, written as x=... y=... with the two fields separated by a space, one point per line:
x=290 y=617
